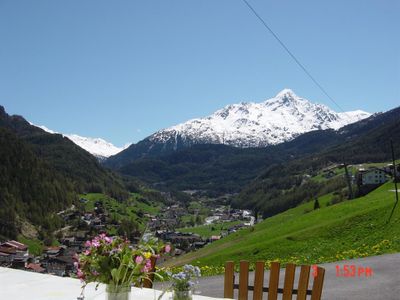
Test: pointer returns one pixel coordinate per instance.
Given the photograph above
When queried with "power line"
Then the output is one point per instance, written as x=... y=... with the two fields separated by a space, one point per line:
x=292 y=55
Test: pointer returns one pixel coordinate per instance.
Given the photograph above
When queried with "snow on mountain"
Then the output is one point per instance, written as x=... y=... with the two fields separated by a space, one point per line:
x=96 y=146
x=250 y=124
x=44 y=128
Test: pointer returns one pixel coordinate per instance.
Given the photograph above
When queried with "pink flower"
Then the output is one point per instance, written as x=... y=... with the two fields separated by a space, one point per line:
x=88 y=244
x=86 y=252
x=138 y=259
x=148 y=263
x=80 y=274
x=76 y=265
x=95 y=243
x=108 y=240
x=167 y=248
x=145 y=269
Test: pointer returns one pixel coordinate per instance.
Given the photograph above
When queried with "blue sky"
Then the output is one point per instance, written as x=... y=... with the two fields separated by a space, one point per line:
x=122 y=70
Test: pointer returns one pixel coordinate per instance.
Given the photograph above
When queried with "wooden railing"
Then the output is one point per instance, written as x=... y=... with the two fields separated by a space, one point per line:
x=273 y=289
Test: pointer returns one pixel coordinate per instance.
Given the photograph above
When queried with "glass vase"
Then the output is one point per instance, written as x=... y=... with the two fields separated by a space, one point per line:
x=120 y=292
x=182 y=295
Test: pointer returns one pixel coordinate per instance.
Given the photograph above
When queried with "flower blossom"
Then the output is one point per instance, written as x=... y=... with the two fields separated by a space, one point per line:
x=95 y=243
x=80 y=274
x=148 y=263
x=139 y=259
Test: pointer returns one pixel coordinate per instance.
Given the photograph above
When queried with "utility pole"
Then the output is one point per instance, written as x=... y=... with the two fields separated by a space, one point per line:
x=348 y=179
x=395 y=181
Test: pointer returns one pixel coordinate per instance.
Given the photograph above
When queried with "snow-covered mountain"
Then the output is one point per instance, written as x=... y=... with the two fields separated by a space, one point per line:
x=250 y=124
x=96 y=146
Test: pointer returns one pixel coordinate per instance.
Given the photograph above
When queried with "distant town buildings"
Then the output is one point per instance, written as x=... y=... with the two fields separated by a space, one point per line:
x=82 y=224
x=372 y=176
x=13 y=253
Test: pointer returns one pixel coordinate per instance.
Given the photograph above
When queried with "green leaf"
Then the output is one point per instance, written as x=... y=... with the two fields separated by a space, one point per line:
x=115 y=275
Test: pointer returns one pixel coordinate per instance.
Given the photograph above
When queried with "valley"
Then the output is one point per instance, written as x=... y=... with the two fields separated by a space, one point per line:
x=199 y=150
x=291 y=201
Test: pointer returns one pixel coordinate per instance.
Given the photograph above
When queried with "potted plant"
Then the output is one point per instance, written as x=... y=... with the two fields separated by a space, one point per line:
x=114 y=262
x=183 y=282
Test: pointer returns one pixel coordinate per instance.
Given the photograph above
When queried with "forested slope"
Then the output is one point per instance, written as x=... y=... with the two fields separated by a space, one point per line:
x=29 y=188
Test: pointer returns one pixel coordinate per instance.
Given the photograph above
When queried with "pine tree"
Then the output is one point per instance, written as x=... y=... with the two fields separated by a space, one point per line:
x=316 y=203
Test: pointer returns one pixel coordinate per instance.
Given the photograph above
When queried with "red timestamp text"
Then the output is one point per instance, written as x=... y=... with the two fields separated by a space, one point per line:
x=353 y=271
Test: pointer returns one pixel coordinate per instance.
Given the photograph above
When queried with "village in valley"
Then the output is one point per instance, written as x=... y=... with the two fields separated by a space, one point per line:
x=81 y=225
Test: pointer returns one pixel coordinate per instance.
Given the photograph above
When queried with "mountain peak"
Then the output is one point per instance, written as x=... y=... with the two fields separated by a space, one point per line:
x=286 y=93
x=287 y=97
x=251 y=124
x=96 y=146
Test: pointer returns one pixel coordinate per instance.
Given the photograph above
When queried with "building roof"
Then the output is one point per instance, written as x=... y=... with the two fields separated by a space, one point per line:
x=371 y=169
x=64 y=259
x=35 y=267
x=15 y=244
x=53 y=248
x=8 y=250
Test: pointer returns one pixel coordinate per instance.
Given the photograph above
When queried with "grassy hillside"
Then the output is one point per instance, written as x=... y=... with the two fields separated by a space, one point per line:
x=132 y=209
x=282 y=186
x=350 y=229
x=207 y=231
x=353 y=169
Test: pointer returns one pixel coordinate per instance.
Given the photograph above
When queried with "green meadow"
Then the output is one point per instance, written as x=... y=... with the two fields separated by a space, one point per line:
x=207 y=231
x=350 y=229
x=132 y=209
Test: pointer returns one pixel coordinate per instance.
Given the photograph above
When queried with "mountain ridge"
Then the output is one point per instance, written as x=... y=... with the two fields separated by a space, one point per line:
x=218 y=168
x=64 y=156
x=251 y=124
x=244 y=125
x=95 y=146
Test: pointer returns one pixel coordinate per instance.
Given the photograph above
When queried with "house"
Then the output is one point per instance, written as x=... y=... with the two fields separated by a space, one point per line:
x=372 y=176
x=177 y=252
x=20 y=260
x=35 y=268
x=15 y=253
x=54 y=251
x=5 y=256
x=390 y=170
x=60 y=265
x=215 y=238
x=329 y=174
x=198 y=245
x=19 y=247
